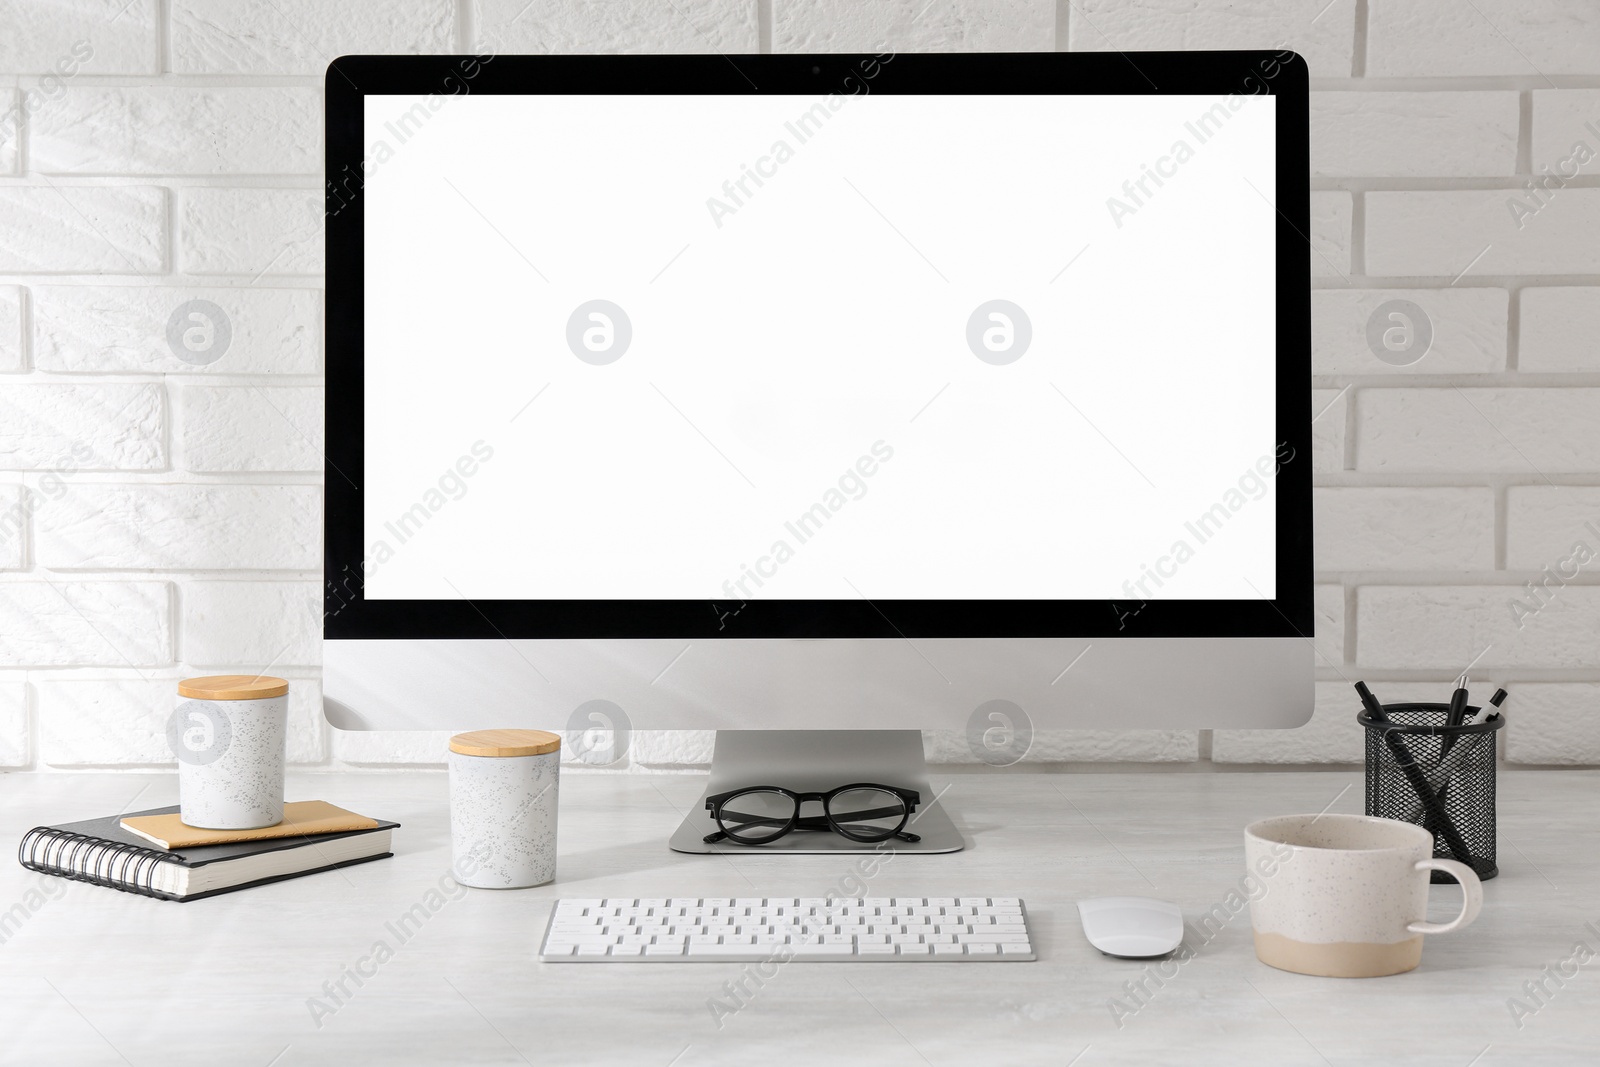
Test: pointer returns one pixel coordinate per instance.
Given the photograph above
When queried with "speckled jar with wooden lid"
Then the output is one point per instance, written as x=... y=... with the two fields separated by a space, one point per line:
x=228 y=733
x=503 y=793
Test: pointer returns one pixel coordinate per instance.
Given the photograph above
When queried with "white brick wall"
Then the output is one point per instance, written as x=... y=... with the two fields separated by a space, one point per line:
x=82 y=229
x=86 y=427
x=1562 y=118
x=106 y=130
x=1410 y=529
x=249 y=428
x=227 y=623
x=1320 y=30
x=180 y=527
x=1469 y=330
x=1560 y=329
x=1537 y=431
x=1330 y=234
x=887 y=25
x=1448 y=234
x=1413 y=134
x=1545 y=522
x=1415 y=38
x=90 y=329
x=726 y=26
x=250 y=231
x=57 y=622
x=268 y=38
x=10 y=328
x=42 y=34
x=160 y=510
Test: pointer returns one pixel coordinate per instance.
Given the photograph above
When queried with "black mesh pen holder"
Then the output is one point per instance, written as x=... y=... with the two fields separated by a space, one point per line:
x=1421 y=770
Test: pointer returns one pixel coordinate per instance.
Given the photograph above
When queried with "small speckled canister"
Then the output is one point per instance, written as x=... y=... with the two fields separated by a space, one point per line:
x=503 y=793
x=228 y=733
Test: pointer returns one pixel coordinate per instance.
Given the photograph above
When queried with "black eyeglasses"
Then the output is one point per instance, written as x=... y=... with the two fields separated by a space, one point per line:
x=861 y=812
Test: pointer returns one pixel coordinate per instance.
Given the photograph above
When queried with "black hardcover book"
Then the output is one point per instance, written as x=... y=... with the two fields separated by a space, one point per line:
x=101 y=852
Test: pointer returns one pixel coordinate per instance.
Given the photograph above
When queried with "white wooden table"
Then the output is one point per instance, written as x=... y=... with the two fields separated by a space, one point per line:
x=93 y=976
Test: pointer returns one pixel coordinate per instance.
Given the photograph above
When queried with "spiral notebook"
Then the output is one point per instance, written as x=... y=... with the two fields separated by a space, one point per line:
x=101 y=852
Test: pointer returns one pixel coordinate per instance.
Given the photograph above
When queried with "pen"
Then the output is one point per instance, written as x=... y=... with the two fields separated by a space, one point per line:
x=1440 y=818
x=1370 y=702
x=1447 y=768
x=1458 y=711
x=1496 y=700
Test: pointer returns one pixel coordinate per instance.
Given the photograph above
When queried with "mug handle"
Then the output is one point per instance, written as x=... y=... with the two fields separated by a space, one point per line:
x=1471 y=896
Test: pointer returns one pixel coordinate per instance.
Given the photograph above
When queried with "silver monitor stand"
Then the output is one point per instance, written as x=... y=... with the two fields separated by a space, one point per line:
x=817 y=761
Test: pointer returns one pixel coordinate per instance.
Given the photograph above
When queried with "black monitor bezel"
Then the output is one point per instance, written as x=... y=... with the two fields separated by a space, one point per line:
x=348 y=615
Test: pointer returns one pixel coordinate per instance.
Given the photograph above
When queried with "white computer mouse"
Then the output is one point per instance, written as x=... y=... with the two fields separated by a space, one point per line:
x=1131 y=927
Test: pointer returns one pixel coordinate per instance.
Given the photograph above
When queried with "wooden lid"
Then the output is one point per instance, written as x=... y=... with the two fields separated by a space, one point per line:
x=233 y=687
x=505 y=743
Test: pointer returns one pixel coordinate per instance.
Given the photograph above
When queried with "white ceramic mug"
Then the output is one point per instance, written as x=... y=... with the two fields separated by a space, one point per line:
x=1346 y=895
x=228 y=733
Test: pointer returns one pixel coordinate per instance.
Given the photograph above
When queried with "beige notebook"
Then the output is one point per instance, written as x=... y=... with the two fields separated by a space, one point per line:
x=302 y=818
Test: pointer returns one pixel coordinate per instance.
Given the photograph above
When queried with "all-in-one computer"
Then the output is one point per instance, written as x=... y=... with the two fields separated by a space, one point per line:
x=818 y=400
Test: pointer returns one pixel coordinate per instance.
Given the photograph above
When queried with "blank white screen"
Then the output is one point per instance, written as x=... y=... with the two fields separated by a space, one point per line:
x=800 y=347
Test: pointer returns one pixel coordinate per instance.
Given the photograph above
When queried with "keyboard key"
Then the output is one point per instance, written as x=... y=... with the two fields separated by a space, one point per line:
x=1024 y=949
x=915 y=950
x=983 y=950
x=593 y=950
x=804 y=951
x=627 y=950
x=947 y=950
x=660 y=949
x=581 y=939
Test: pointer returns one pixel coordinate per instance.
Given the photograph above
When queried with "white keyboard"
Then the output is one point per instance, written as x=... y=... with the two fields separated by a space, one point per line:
x=736 y=929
